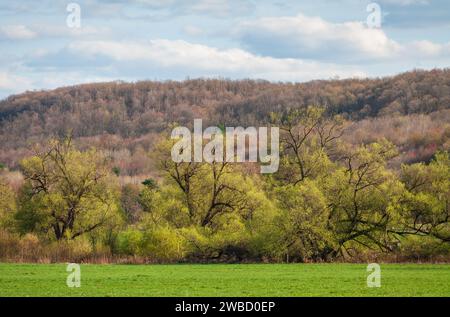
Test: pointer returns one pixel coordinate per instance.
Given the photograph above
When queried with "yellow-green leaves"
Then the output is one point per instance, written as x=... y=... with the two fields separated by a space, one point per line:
x=7 y=203
x=69 y=192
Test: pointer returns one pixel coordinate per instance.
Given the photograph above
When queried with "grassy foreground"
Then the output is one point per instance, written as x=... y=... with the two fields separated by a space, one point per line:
x=225 y=280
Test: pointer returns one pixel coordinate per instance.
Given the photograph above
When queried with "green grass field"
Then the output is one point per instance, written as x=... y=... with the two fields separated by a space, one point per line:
x=225 y=280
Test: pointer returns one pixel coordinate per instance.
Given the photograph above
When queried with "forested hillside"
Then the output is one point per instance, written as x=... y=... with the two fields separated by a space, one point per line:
x=86 y=173
x=411 y=110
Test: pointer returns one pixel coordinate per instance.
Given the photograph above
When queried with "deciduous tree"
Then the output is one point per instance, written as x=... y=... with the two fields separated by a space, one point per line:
x=72 y=192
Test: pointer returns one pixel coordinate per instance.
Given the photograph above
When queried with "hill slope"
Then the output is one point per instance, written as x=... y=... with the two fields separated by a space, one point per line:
x=126 y=116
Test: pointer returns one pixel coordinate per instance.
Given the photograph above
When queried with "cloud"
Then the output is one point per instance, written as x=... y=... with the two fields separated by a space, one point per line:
x=427 y=49
x=93 y=61
x=16 y=32
x=10 y=83
x=237 y=41
x=180 y=59
x=314 y=38
x=24 y=32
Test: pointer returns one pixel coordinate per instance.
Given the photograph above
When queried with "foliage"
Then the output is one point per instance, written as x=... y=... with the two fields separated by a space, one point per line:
x=116 y=170
x=331 y=200
x=67 y=193
x=362 y=196
x=303 y=222
x=150 y=183
x=306 y=140
x=426 y=209
x=7 y=204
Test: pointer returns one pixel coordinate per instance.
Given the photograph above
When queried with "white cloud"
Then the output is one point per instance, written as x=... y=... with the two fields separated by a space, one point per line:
x=10 y=82
x=313 y=37
x=23 y=32
x=201 y=60
x=427 y=49
x=16 y=32
x=92 y=61
x=349 y=42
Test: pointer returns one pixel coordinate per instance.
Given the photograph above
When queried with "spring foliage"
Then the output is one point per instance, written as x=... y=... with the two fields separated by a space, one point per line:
x=330 y=200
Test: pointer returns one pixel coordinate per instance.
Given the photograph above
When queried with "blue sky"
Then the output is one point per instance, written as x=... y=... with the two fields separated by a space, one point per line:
x=170 y=39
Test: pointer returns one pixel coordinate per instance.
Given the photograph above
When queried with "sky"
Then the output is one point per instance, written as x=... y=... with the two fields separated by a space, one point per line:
x=42 y=45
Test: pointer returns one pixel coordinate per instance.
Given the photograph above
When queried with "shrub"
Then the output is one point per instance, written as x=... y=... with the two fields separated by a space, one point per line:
x=9 y=245
x=150 y=183
x=129 y=242
x=116 y=170
x=419 y=248
x=163 y=244
x=30 y=247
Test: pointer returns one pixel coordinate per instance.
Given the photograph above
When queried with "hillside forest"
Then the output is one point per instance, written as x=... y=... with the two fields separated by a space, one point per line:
x=86 y=173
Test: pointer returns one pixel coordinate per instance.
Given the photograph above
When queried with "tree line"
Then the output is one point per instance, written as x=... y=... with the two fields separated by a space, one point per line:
x=330 y=200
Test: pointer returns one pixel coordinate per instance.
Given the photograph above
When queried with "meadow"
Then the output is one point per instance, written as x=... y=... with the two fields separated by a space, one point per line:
x=221 y=280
